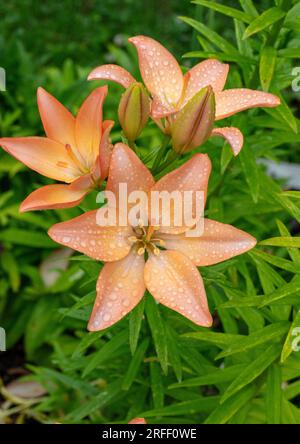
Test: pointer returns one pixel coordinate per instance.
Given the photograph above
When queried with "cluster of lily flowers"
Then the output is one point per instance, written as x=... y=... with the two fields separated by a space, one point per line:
x=78 y=152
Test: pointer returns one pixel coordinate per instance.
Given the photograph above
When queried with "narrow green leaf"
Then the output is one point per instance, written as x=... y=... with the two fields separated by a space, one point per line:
x=279 y=262
x=135 y=322
x=292 y=288
x=290 y=242
x=157 y=387
x=273 y=395
x=185 y=408
x=253 y=370
x=135 y=364
x=265 y=335
x=158 y=332
x=267 y=66
x=214 y=377
x=226 y=10
x=250 y=170
x=224 y=412
x=291 y=341
x=266 y=19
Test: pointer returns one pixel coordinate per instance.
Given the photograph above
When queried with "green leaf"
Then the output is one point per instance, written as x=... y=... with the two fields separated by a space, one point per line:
x=211 y=35
x=266 y=19
x=219 y=339
x=27 y=238
x=157 y=387
x=135 y=364
x=282 y=293
x=106 y=351
x=290 y=242
x=135 y=322
x=267 y=66
x=253 y=370
x=267 y=334
x=10 y=265
x=291 y=338
x=273 y=394
x=184 y=408
x=225 y=411
x=158 y=332
x=227 y=10
x=279 y=262
x=215 y=377
x=250 y=170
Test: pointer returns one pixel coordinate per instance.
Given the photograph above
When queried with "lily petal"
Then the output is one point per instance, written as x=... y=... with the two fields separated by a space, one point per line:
x=233 y=136
x=83 y=234
x=160 y=71
x=88 y=126
x=58 y=122
x=126 y=167
x=175 y=282
x=57 y=196
x=209 y=72
x=106 y=148
x=218 y=243
x=114 y=73
x=232 y=101
x=193 y=177
x=120 y=288
x=43 y=155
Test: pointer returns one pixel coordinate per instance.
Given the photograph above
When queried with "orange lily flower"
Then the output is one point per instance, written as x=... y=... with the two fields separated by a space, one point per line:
x=138 y=421
x=171 y=90
x=76 y=151
x=170 y=274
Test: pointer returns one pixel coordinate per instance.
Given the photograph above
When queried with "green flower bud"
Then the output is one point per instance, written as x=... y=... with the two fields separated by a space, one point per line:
x=193 y=124
x=134 y=110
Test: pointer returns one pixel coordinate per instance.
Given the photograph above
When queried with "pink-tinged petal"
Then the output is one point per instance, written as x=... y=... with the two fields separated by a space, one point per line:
x=159 y=111
x=43 y=155
x=218 y=243
x=83 y=234
x=126 y=167
x=120 y=288
x=58 y=122
x=160 y=71
x=88 y=127
x=106 y=148
x=174 y=281
x=138 y=421
x=232 y=101
x=209 y=72
x=193 y=177
x=57 y=196
x=233 y=136
x=114 y=73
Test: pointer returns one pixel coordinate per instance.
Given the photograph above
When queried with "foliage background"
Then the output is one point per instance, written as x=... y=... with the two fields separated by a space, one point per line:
x=154 y=363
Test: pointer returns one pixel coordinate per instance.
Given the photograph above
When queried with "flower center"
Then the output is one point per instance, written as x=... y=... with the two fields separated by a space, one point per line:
x=144 y=240
x=76 y=160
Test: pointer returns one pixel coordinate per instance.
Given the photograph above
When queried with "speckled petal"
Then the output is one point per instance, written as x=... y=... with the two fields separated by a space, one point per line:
x=209 y=72
x=43 y=155
x=126 y=167
x=114 y=73
x=174 y=281
x=160 y=71
x=58 y=122
x=88 y=127
x=218 y=243
x=232 y=101
x=84 y=235
x=193 y=175
x=106 y=148
x=233 y=136
x=120 y=288
x=55 y=196
x=138 y=421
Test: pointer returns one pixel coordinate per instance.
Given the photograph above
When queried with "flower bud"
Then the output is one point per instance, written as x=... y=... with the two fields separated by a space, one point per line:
x=193 y=124
x=134 y=110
